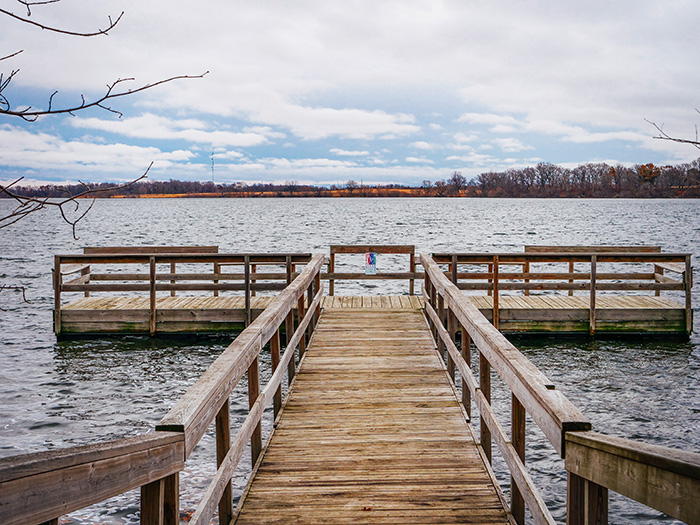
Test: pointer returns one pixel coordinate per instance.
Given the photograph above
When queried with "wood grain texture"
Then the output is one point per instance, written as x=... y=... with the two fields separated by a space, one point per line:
x=372 y=433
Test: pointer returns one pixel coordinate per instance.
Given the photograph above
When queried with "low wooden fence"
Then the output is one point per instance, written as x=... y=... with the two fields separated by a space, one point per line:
x=247 y=279
x=507 y=272
x=382 y=249
x=662 y=478
x=39 y=488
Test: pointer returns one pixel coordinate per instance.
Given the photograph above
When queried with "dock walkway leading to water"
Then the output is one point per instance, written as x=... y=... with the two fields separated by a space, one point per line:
x=372 y=432
x=373 y=428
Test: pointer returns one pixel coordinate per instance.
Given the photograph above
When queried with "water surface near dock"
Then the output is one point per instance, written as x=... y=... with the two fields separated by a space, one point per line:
x=57 y=394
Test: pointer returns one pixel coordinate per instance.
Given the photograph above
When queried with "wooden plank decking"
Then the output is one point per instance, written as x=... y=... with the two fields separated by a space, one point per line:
x=372 y=433
x=533 y=313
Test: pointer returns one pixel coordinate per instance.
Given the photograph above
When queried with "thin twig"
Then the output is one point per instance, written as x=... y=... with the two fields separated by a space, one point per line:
x=65 y=31
x=12 y=55
x=665 y=136
x=29 y=205
x=31 y=115
x=40 y=2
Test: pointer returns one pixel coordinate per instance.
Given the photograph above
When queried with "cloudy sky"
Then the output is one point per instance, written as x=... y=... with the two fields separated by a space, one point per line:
x=324 y=92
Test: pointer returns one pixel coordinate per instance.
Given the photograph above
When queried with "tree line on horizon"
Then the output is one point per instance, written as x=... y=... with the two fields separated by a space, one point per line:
x=542 y=180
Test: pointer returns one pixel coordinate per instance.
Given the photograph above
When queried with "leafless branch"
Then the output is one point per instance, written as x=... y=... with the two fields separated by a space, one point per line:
x=111 y=25
x=31 y=115
x=665 y=136
x=28 y=205
x=12 y=55
x=39 y=2
x=4 y=287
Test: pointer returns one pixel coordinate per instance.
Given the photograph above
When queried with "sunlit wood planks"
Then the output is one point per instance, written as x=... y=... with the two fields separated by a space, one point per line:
x=372 y=433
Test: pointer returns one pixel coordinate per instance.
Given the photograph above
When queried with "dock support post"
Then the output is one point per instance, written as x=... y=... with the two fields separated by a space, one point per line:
x=586 y=502
x=301 y=312
x=453 y=269
x=495 y=292
x=253 y=393
x=217 y=270
x=467 y=355
x=152 y=317
x=441 y=315
x=152 y=500
x=289 y=331
x=594 y=261
x=688 y=282
x=412 y=269
x=452 y=330
x=517 y=437
x=171 y=499
x=57 y=283
x=223 y=444
x=526 y=270
x=173 y=266
x=246 y=273
x=485 y=385
x=331 y=269
x=317 y=287
x=275 y=354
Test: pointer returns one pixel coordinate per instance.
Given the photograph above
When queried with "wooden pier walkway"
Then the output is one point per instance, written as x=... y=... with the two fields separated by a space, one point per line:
x=372 y=432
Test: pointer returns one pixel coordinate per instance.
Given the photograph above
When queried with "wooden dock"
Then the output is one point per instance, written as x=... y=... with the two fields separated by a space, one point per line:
x=372 y=432
x=373 y=429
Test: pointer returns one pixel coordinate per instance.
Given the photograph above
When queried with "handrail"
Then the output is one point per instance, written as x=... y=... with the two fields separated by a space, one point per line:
x=390 y=249
x=495 y=279
x=40 y=487
x=155 y=281
x=662 y=478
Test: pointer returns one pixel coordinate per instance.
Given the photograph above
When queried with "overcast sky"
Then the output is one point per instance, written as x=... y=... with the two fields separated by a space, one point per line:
x=374 y=91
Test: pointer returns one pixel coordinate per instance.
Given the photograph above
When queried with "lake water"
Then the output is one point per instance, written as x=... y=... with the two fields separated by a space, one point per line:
x=55 y=394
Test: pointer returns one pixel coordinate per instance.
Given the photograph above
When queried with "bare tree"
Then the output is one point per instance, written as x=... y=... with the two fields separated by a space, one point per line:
x=665 y=136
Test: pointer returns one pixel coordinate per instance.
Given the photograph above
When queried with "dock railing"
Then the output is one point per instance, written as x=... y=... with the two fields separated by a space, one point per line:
x=665 y=479
x=150 y=278
x=39 y=488
x=383 y=249
x=499 y=272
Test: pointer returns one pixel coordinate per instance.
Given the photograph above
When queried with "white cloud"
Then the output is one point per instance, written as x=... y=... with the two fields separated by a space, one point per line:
x=419 y=160
x=422 y=145
x=512 y=145
x=347 y=153
x=154 y=127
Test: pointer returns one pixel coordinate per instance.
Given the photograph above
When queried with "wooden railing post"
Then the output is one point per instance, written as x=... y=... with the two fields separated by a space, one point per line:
x=246 y=273
x=152 y=503
x=452 y=330
x=467 y=355
x=571 y=270
x=517 y=436
x=275 y=354
x=309 y=300
x=301 y=312
x=152 y=281
x=173 y=266
x=412 y=269
x=223 y=444
x=594 y=261
x=289 y=330
x=485 y=385
x=86 y=271
x=688 y=285
x=441 y=315
x=586 y=502
x=171 y=499
x=331 y=269
x=57 y=283
x=253 y=393
x=317 y=287
x=526 y=270
x=495 y=292
x=453 y=268
x=253 y=271
x=217 y=270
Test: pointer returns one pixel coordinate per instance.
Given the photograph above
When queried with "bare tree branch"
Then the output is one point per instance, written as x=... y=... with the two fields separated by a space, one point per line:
x=111 y=25
x=31 y=115
x=12 y=55
x=28 y=205
x=40 y=2
x=665 y=136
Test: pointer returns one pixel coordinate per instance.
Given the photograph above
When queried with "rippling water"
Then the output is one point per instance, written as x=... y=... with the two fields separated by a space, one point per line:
x=55 y=394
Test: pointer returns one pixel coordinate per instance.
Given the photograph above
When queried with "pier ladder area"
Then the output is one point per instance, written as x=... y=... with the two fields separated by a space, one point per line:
x=387 y=419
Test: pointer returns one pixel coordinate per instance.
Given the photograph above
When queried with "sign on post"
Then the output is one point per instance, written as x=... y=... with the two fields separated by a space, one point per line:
x=370 y=263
